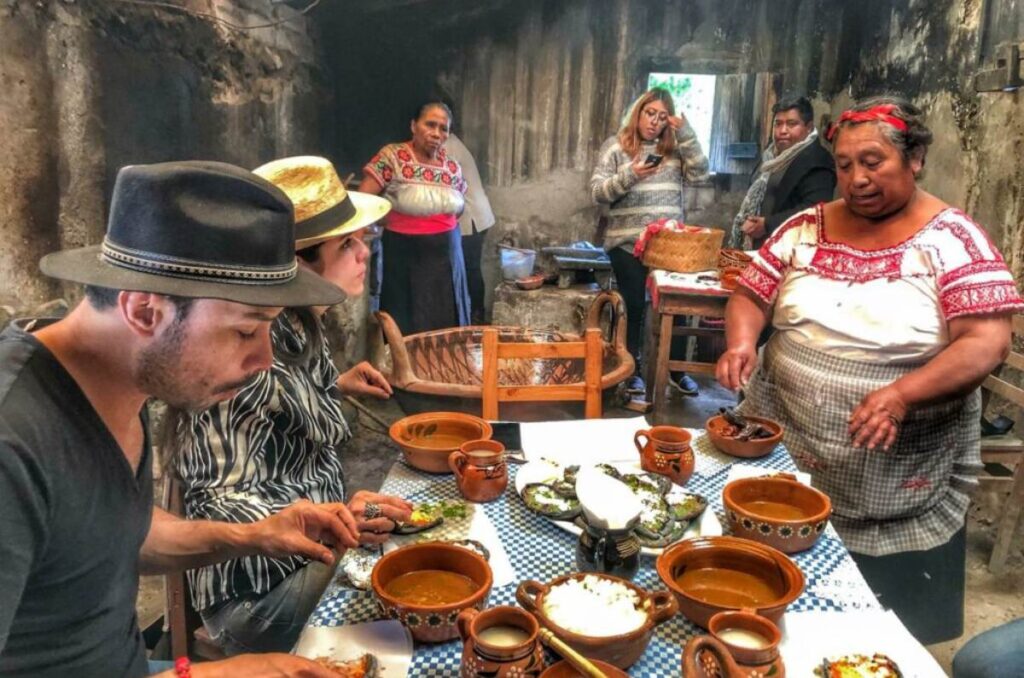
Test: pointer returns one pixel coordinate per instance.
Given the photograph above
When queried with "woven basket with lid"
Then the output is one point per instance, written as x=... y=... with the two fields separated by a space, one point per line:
x=684 y=251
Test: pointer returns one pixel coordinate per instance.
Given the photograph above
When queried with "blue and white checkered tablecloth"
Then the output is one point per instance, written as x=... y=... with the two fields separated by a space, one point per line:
x=540 y=551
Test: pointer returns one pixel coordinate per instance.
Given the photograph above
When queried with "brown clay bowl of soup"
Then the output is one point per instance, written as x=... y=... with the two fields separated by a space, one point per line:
x=778 y=511
x=428 y=439
x=600 y=616
x=715 y=574
x=426 y=586
x=729 y=438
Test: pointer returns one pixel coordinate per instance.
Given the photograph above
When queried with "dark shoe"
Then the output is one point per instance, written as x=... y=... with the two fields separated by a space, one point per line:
x=635 y=385
x=999 y=426
x=685 y=384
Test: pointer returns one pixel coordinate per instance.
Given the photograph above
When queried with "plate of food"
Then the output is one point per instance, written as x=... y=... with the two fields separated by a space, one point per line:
x=671 y=513
x=379 y=649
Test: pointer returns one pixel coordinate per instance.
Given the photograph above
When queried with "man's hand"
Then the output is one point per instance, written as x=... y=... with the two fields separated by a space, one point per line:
x=364 y=379
x=296 y=531
x=392 y=510
x=876 y=420
x=259 y=666
x=754 y=227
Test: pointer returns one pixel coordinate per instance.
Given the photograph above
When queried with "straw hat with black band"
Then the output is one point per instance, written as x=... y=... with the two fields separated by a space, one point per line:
x=323 y=208
x=197 y=229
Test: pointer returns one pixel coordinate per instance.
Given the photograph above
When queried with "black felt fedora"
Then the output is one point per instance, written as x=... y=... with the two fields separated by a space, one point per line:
x=197 y=229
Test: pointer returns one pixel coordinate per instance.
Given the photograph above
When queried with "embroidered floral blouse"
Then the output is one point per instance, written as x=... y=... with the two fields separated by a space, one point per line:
x=890 y=305
x=426 y=198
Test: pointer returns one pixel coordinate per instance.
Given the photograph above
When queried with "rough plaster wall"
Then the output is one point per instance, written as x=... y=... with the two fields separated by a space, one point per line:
x=91 y=86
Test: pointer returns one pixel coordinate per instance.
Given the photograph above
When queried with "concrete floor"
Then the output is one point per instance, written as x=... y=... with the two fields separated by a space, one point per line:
x=991 y=600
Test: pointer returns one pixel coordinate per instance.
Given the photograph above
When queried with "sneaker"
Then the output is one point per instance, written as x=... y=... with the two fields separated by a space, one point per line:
x=635 y=385
x=685 y=384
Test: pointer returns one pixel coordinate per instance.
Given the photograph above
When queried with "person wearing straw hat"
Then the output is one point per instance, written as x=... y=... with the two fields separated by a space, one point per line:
x=196 y=263
x=279 y=439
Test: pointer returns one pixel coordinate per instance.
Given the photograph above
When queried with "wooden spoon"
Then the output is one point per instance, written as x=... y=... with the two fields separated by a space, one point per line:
x=580 y=662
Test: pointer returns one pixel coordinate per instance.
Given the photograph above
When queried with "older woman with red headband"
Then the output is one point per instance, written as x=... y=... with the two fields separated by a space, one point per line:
x=890 y=307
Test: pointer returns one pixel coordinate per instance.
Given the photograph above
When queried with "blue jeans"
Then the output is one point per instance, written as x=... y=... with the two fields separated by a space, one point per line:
x=156 y=667
x=996 y=653
x=271 y=622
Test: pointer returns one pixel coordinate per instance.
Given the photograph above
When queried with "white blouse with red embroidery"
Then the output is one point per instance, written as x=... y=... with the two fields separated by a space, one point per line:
x=888 y=305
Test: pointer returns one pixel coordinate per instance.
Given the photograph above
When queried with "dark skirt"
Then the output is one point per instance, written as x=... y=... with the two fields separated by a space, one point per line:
x=424 y=281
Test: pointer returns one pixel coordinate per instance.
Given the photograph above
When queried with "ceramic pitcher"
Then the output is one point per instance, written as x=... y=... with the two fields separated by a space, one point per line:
x=614 y=552
x=500 y=642
x=480 y=469
x=667 y=452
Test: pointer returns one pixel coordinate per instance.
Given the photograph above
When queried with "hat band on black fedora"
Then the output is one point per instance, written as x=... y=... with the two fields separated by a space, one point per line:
x=326 y=220
x=161 y=264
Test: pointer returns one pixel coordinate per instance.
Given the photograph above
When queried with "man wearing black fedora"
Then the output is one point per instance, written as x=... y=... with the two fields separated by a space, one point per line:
x=197 y=262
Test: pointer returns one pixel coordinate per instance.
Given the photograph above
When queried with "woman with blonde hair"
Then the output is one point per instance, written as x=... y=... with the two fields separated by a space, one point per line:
x=640 y=174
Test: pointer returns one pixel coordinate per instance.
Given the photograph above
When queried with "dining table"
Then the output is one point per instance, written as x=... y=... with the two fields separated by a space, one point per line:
x=836 y=612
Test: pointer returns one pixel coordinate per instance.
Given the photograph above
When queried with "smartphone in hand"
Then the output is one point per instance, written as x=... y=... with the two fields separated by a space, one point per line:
x=653 y=159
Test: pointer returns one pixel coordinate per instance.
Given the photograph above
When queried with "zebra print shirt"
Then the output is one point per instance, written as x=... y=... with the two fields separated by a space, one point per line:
x=274 y=443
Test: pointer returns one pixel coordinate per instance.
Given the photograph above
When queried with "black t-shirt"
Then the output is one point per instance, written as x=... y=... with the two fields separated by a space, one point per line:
x=73 y=517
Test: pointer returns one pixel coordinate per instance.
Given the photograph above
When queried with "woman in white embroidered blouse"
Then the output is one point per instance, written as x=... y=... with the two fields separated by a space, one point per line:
x=890 y=308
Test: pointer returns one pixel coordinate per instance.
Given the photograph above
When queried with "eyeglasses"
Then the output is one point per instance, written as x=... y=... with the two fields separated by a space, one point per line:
x=661 y=117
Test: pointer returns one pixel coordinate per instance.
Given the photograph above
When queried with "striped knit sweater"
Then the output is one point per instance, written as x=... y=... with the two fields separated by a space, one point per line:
x=633 y=203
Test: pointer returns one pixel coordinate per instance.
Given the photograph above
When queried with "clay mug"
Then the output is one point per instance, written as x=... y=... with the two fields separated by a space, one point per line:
x=706 y=657
x=752 y=640
x=500 y=641
x=480 y=469
x=666 y=452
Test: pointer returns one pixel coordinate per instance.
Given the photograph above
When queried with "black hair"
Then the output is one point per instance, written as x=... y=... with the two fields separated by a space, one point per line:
x=801 y=104
x=434 y=103
x=102 y=298
x=913 y=143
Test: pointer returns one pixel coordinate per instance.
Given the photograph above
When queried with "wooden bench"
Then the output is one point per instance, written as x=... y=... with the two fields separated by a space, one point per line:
x=589 y=390
x=1006 y=451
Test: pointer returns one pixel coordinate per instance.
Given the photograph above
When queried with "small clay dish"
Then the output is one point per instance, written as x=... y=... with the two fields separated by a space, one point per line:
x=430 y=623
x=748 y=449
x=427 y=439
x=714 y=574
x=530 y=282
x=778 y=511
x=621 y=650
x=733 y=259
x=564 y=669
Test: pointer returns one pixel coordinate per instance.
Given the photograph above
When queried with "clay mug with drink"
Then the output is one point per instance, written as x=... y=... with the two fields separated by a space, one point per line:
x=667 y=452
x=480 y=469
x=500 y=641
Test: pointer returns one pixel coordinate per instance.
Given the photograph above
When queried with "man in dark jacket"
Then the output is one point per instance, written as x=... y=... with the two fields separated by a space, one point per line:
x=795 y=173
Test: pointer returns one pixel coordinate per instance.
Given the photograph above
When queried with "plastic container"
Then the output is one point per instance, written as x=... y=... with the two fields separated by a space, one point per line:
x=515 y=262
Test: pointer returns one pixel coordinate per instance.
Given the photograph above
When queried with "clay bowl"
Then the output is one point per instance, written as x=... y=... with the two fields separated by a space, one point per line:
x=430 y=623
x=748 y=449
x=714 y=574
x=733 y=259
x=778 y=511
x=751 y=622
x=427 y=439
x=730 y=278
x=622 y=650
x=530 y=282
x=564 y=669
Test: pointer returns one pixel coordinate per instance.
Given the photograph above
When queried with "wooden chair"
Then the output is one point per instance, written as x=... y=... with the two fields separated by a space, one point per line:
x=589 y=391
x=1007 y=451
x=188 y=635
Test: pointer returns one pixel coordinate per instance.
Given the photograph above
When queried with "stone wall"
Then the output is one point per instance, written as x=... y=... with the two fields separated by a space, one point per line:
x=92 y=86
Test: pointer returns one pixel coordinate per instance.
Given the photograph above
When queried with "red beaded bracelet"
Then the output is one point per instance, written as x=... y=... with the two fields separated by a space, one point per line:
x=183 y=667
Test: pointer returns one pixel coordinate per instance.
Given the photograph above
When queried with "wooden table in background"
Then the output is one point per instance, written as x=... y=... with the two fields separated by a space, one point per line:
x=667 y=303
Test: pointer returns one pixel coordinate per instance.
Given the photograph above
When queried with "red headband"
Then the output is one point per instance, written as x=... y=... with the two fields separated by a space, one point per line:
x=880 y=113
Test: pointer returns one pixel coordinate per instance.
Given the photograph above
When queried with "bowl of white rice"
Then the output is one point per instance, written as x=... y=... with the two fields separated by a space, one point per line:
x=600 y=616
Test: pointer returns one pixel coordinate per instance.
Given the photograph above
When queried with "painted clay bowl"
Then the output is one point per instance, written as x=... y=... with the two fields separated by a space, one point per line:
x=428 y=439
x=778 y=511
x=564 y=669
x=430 y=623
x=733 y=259
x=749 y=449
x=530 y=282
x=715 y=574
x=621 y=650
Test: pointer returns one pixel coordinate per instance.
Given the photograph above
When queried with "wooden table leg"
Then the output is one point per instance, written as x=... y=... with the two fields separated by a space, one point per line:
x=1008 y=523
x=661 y=363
